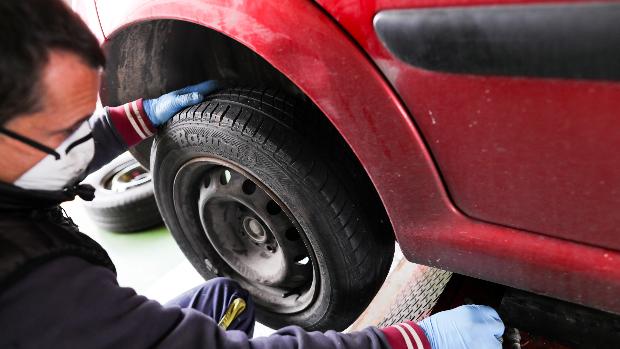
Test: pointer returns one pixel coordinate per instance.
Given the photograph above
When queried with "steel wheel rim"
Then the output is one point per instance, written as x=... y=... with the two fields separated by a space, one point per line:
x=253 y=233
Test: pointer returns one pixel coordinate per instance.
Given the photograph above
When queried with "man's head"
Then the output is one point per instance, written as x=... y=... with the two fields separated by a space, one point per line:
x=49 y=78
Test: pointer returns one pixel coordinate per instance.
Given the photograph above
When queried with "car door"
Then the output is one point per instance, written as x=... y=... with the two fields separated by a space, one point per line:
x=518 y=102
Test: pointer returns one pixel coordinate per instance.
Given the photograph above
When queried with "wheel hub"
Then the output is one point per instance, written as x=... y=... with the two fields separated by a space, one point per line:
x=254 y=230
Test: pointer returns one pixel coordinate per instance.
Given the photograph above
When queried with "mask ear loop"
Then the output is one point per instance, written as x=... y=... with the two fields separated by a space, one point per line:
x=30 y=142
x=78 y=142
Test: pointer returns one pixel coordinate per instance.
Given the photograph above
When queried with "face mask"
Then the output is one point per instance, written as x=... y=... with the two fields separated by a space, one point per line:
x=63 y=166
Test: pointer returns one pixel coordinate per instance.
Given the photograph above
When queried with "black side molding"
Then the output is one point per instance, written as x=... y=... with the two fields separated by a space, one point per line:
x=573 y=41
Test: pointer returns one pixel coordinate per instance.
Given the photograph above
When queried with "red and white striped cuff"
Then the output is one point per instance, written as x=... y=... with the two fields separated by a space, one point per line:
x=406 y=335
x=131 y=122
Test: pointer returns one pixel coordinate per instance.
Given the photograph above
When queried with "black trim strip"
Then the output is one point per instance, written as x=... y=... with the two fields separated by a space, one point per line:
x=577 y=41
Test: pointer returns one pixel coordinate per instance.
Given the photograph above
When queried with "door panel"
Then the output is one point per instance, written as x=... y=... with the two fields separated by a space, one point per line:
x=517 y=103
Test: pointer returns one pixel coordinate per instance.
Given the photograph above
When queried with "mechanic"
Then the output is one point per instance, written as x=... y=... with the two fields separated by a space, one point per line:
x=58 y=287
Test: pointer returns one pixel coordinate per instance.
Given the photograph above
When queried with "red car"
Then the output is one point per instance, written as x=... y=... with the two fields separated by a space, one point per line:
x=481 y=134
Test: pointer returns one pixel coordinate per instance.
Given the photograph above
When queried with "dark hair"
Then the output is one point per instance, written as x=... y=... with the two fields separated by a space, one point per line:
x=29 y=29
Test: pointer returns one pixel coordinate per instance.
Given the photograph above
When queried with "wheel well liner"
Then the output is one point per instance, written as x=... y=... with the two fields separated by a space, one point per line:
x=152 y=57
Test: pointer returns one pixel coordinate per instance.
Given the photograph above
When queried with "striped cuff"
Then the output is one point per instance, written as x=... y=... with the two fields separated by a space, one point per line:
x=131 y=122
x=406 y=335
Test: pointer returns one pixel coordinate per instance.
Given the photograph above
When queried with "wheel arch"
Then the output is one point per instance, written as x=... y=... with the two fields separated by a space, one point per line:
x=157 y=52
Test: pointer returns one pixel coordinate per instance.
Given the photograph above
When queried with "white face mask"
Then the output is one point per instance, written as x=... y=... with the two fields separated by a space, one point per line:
x=64 y=166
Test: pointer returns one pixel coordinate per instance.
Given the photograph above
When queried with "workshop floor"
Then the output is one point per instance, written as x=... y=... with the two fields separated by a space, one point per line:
x=149 y=262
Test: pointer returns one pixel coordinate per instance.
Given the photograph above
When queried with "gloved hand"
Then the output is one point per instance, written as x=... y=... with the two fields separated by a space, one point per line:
x=468 y=326
x=161 y=109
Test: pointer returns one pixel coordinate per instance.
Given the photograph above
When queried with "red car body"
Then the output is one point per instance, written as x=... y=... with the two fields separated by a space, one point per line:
x=512 y=179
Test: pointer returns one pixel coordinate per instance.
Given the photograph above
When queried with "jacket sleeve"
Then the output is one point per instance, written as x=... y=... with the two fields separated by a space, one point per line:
x=117 y=129
x=70 y=303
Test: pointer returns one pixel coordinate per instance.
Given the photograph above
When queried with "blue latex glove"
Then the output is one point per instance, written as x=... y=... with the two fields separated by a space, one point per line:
x=468 y=326
x=161 y=109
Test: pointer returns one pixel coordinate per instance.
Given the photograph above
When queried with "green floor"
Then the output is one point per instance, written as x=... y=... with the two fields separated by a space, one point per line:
x=149 y=261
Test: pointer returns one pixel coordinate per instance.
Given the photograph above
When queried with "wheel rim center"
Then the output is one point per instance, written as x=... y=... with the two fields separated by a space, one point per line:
x=246 y=227
x=254 y=230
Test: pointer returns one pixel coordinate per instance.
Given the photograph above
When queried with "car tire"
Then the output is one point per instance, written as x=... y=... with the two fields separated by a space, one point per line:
x=302 y=199
x=124 y=199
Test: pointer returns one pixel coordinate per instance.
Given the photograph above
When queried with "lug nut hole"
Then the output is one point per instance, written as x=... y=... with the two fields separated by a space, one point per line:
x=273 y=208
x=302 y=260
x=292 y=234
x=225 y=177
x=248 y=187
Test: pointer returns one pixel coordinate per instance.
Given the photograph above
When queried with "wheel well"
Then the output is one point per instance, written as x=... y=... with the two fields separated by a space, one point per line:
x=149 y=58
x=153 y=57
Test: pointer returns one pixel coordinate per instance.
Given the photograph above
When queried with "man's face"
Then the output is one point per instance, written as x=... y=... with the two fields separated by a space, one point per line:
x=69 y=96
